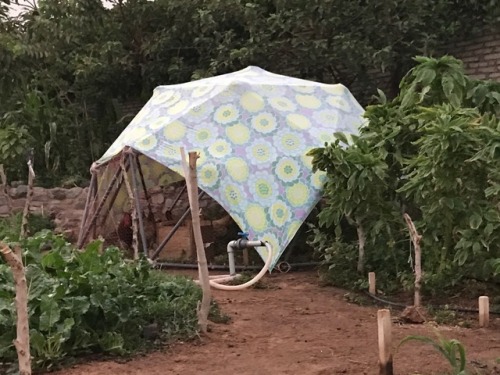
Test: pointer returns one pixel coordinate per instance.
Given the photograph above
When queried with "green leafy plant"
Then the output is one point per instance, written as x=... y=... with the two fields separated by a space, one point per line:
x=431 y=152
x=452 y=350
x=83 y=302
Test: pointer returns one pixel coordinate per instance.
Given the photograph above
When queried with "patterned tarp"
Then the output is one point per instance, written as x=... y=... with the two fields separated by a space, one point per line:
x=252 y=130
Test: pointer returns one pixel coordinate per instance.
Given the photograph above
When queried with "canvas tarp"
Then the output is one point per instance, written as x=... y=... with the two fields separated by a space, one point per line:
x=252 y=129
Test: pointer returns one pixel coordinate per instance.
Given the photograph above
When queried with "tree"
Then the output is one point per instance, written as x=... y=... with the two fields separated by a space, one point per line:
x=431 y=152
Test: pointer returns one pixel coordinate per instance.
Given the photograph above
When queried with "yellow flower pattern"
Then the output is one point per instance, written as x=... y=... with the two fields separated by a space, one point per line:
x=252 y=130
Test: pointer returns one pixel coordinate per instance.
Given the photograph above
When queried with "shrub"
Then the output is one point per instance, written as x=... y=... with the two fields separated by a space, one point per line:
x=83 y=302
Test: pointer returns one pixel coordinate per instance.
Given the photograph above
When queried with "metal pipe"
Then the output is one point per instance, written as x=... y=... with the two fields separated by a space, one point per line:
x=173 y=230
x=214 y=267
x=226 y=267
x=138 y=205
x=230 y=256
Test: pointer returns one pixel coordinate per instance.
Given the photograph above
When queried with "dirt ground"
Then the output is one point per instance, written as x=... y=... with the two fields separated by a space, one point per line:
x=298 y=327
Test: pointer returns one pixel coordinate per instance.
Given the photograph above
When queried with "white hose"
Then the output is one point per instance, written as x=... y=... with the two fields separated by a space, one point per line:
x=214 y=280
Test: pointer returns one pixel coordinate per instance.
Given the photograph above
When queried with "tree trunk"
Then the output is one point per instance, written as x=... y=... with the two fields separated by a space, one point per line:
x=22 y=341
x=415 y=238
x=361 y=243
x=203 y=309
x=3 y=177
x=29 y=197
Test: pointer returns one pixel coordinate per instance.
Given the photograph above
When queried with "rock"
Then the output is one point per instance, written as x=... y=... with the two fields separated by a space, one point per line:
x=15 y=184
x=19 y=192
x=74 y=193
x=155 y=190
x=58 y=194
x=416 y=315
x=4 y=210
x=80 y=203
x=157 y=199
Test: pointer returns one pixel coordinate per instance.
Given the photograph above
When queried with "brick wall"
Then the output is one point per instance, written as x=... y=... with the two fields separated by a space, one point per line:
x=480 y=54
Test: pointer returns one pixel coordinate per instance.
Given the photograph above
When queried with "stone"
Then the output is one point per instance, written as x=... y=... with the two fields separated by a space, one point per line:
x=19 y=192
x=4 y=210
x=415 y=315
x=74 y=193
x=157 y=199
x=15 y=184
x=58 y=194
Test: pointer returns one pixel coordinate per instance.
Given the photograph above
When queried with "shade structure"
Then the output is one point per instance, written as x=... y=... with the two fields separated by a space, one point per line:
x=252 y=129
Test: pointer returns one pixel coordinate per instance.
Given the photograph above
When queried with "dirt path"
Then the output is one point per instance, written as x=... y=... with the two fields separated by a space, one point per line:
x=299 y=328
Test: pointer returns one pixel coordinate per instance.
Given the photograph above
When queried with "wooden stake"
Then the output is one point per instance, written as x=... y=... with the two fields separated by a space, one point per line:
x=29 y=197
x=416 y=238
x=372 y=283
x=192 y=187
x=4 y=188
x=22 y=341
x=135 y=237
x=385 y=342
x=484 y=311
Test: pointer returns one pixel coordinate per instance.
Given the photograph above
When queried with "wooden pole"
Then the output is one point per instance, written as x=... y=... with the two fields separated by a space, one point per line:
x=97 y=211
x=87 y=207
x=416 y=238
x=29 y=197
x=372 y=288
x=151 y=215
x=137 y=201
x=135 y=237
x=4 y=188
x=192 y=187
x=22 y=341
x=484 y=311
x=385 y=342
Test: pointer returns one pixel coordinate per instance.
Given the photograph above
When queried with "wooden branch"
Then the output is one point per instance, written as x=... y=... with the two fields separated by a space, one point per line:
x=135 y=237
x=416 y=238
x=29 y=197
x=192 y=187
x=4 y=188
x=361 y=242
x=22 y=341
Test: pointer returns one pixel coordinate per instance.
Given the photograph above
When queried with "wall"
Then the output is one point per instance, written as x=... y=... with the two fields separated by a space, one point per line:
x=64 y=206
x=480 y=54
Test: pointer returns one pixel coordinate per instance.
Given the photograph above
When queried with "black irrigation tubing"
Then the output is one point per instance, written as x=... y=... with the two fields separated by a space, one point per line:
x=435 y=307
x=161 y=265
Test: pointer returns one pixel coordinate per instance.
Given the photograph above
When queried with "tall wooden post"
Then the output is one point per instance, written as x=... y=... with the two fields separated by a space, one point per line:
x=385 y=342
x=192 y=188
x=22 y=341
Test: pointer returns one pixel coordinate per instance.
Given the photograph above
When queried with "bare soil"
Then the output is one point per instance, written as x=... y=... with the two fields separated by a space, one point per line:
x=297 y=326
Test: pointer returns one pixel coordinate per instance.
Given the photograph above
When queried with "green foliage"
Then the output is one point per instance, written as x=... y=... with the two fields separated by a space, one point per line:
x=66 y=66
x=83 y=302
x=452 y=350
x=10 y=227
x=432 y=153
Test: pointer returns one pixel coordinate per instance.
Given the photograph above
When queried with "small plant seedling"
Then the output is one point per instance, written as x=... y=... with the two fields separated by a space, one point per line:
x=452 y=350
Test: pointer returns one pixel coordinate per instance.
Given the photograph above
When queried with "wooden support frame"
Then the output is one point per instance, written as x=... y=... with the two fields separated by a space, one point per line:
x=90 y=193
x=173 y=230
x=151 y=215
x=97 y=211
x=137 y=202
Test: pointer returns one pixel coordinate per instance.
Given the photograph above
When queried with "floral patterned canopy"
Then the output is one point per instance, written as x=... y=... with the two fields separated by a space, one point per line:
x=252 y=129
